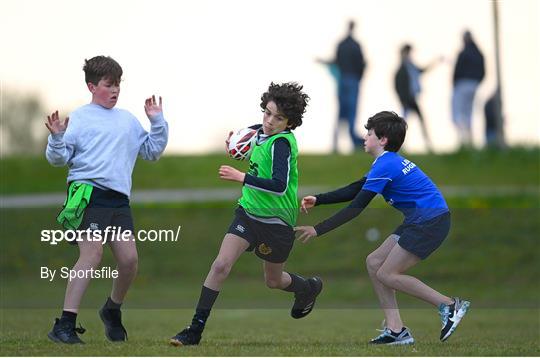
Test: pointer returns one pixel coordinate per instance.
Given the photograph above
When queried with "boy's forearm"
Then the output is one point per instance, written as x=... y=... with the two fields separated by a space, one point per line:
x=280 y=170
x=57 y=153
x=275 y=186
x=157 y=139
x=341 y=217
x=347 y=214
x=344 y=194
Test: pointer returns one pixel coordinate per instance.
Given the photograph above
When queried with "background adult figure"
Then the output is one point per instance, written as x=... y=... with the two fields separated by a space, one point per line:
x=490 y=112
x=468 y=74
x=407 y=85
x=351 y=64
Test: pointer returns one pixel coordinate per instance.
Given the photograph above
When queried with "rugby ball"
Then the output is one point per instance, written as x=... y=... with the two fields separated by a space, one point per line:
x=241 y=143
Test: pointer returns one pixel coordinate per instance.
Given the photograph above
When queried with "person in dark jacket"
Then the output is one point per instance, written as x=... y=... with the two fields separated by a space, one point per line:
x=407 y=85
x=351 y=64
x=468 y=74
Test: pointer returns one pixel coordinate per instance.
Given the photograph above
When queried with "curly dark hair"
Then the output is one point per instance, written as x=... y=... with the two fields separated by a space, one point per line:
x=102 y=67
x=289 y=99
x=390 y=125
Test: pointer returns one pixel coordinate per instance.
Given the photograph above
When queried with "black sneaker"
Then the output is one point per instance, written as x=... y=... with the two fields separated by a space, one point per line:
x=451 y=315
x=112 y=319
x=391 y=338
x=66 y=332
x=190 y=336
x=304 y=302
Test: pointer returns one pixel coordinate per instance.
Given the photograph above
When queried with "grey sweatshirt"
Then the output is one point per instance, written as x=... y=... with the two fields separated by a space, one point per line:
x=100 y=146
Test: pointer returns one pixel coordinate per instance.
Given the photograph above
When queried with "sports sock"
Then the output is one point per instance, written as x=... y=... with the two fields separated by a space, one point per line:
x=68 y=316
x=298 y=284
x=111 y=305
x=204 y=306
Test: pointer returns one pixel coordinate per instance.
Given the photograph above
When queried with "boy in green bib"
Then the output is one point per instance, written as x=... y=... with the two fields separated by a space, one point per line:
x=267 y=210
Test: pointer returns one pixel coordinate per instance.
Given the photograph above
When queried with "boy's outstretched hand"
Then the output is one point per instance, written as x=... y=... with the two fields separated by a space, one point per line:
x=306 y=233
x=228 y=141
x=54 y=125
x=151 y=108
x=229 y=173
x=307 y=203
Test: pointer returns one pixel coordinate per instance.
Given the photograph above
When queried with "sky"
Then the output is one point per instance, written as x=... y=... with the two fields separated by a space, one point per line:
x=212 y=60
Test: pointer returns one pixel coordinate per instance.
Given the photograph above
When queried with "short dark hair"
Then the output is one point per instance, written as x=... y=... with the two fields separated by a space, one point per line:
x=351 y=26
x=405 y=49
x=388 y=124
x=289 y=99
x=102 y=67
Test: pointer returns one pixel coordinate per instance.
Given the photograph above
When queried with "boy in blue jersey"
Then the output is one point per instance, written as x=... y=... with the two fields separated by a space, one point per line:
x=100 y=147
x=427 y=223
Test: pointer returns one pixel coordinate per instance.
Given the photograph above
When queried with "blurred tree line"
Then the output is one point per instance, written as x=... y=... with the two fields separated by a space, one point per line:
x=22 y=129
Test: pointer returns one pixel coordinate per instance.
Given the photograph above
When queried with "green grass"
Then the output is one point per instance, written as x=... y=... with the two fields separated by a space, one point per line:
x=516 y=167
x=271 y=332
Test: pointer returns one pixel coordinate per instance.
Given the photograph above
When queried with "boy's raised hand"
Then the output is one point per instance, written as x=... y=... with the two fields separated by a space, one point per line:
x=229 y=173
x=151 y=108
x=54 y=125
x=306 y=233
x=227 y=141
x=307 y=203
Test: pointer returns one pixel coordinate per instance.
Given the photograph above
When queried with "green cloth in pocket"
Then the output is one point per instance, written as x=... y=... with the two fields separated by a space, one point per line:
x=78 y=198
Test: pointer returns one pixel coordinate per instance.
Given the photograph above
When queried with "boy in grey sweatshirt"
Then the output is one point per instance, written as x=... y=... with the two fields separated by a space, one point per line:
x=100 y=146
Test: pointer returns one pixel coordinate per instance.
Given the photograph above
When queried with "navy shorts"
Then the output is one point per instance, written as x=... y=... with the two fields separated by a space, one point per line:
x=424 y=238
x=107 y=208
x=270 y=242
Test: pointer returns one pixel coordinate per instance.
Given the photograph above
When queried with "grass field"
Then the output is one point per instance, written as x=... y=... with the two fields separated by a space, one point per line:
x=271 y=332
x=491 y=258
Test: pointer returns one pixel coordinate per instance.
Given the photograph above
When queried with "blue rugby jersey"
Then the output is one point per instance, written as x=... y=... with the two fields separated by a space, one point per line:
x=404 y=186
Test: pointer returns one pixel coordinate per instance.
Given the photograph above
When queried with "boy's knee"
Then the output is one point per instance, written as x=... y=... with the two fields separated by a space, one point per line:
x=373 y=263
x=129 y=263
x=93 y=255
x=221 y=267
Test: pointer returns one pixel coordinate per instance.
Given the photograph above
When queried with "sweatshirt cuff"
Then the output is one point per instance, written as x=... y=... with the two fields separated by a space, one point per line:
x=57 y=138
x=157 y=119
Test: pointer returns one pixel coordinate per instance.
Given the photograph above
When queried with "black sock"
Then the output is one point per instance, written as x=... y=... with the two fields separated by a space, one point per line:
x=68 y=316
x=111 y=305
x=298 y=284
x=204 y=306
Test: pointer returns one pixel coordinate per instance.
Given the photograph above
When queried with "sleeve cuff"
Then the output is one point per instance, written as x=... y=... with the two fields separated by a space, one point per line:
x=247 y=178
x=57 y=138
x=157 y=119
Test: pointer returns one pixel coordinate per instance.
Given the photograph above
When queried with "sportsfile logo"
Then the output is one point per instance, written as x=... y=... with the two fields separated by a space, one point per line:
x=111 y=233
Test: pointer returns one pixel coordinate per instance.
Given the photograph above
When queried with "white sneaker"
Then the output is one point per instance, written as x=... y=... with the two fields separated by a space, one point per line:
x=390 y=338
x=451 y=315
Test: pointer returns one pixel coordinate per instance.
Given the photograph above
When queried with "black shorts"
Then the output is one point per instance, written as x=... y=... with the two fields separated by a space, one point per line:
x=271 y=242
x=422 y=239
x=107 y=208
